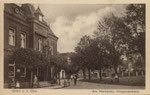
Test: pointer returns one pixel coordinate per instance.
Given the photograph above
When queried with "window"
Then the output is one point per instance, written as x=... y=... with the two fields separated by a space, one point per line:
x=40 y=45
x=52 y=50
x=23 y=40
x=11 y=69
x=23 y=71
x=40 y=18
x=11 y=36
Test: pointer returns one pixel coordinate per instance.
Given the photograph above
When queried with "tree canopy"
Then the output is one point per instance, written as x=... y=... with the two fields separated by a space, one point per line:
x=29 y=57
x=115 y=37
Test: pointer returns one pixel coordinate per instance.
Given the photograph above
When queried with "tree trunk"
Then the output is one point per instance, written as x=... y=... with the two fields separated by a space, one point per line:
x=59 y=77
x=46 y=73
x=100 y=73
x=84 y=75
x=89 y=73
x=50 y=73
x=45 y=70
x=116 y=73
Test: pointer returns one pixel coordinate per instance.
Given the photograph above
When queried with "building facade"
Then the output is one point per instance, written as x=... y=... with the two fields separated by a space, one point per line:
x=24 y=27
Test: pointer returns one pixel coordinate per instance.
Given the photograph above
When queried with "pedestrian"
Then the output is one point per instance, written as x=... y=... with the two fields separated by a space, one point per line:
x=75 y=79
x=17 y=84
x=17 y=79
x=71 y=77
x=35 y=82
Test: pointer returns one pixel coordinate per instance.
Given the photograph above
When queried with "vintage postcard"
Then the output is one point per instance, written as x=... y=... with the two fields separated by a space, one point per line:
x=67 y=47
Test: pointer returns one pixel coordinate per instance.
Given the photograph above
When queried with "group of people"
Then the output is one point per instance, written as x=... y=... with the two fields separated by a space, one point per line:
x=74 y=77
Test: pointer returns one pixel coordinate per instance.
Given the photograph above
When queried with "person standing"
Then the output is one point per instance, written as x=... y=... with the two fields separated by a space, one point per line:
x=35 y=82
x=75 y=79
x=71 y=77
x=17 y=78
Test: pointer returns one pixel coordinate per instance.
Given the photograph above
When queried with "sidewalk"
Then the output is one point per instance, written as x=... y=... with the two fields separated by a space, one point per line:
x=63 y=83
x=53 y=87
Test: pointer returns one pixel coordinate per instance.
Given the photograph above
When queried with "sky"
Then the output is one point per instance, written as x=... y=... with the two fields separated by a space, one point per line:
x=70 y=22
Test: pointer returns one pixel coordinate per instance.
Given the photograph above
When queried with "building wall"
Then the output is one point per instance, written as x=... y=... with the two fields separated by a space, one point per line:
x=21 y=22
x=13 y=21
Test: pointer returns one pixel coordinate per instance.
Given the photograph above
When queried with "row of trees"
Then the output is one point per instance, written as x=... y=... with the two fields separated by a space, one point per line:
x=116 y=37
x=51 y=65
x=32 y=60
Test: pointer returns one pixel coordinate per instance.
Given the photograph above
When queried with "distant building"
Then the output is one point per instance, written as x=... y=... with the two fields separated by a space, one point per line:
x=24 y=27
x=67 y=58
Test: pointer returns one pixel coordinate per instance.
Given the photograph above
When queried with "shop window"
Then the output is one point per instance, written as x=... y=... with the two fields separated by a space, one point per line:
x=11 y=69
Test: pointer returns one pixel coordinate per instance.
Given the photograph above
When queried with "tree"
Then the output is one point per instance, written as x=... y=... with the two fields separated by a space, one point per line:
x=49 y=74
x=113 y=38
x=135 y=20
x=116 y=36
x=96 y=56
x=82 y=52
x=29 y=58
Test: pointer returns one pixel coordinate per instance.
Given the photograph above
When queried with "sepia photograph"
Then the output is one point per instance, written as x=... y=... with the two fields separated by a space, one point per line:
x=74 y=46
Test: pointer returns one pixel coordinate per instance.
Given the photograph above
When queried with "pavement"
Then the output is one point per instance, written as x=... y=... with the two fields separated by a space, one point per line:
x=46 y=84
x=89 y=85
x=53 y=87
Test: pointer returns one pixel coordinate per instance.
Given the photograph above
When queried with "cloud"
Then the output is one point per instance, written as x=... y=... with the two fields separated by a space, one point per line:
x=69 y=32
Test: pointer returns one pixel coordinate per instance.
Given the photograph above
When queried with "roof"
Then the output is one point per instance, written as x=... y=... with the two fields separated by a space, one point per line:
x=50 y=31
x=29 y=10
x=15 y=10
x=38 y=11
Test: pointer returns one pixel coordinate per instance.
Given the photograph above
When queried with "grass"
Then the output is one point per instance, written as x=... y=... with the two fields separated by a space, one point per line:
x=130 y=81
